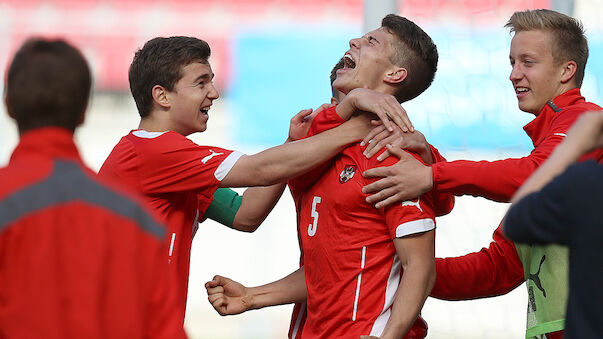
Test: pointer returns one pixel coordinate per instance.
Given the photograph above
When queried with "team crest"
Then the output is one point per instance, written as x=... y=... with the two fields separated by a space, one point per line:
x=347 y=174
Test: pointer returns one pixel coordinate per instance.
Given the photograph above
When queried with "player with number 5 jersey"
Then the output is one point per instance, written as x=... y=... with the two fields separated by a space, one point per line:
x=366 y=271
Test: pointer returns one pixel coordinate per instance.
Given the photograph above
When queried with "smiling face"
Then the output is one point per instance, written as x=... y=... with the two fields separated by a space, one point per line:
x=191 y=99
x=367 y=62
x=536 y=77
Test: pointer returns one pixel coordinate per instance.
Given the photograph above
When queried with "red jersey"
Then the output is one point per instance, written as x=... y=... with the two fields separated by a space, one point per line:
x=497 y=269
x=444 y=203
x=351 y=267
x=177 y=178
x=78 y=257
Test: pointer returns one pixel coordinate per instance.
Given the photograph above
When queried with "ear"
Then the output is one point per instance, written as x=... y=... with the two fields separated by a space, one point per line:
x=160 y=96
x=395 y=76
x=569 y=70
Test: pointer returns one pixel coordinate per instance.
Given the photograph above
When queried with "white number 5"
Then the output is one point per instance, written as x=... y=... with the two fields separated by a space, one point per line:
x=312 y=227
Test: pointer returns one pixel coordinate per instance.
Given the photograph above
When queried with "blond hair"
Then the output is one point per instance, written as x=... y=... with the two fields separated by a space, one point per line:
x=568 y=41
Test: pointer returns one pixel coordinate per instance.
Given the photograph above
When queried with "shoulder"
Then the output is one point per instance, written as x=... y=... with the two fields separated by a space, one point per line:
x=116 y=199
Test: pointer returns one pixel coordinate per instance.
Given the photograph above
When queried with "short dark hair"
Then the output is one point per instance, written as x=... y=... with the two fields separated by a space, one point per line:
x=338 y=66
x=48 y=84
x=160 y=62
x=414 y=51
x=568 y=39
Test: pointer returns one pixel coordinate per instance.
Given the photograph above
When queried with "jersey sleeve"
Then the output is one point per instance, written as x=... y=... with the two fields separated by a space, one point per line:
x=325 y=120
x=493 y=271
x=177 y=164
x=412 y=216
x=498 y=180
x=549 y=215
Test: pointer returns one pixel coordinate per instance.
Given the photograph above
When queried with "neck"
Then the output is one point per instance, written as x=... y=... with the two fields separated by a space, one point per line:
x=155 y=122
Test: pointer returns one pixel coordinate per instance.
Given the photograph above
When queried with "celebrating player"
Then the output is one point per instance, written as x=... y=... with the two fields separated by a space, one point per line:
x=80 y=258
x=354 y=255
x=548 y=56
x=171 y=82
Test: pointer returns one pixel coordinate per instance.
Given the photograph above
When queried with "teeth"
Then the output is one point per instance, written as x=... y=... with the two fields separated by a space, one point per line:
x=521 y=89
x=349 y=62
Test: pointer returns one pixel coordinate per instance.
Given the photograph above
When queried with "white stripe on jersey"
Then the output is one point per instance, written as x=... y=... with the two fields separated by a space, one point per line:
x=358 y=284
x=390 y=294
x=560 y=134
x=416 y=226
x=172 y=244
x=227 y=165
x=300 y=316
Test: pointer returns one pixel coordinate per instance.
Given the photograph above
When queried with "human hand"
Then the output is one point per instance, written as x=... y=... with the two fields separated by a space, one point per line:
x=385 y=106
x=378 y=137
x=227 y=296
x=301 y=122
x=405 y=180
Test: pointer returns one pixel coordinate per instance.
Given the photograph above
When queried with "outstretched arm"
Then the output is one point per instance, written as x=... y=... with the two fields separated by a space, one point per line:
x=229 y=297
x=280 y=163
x=494 y=180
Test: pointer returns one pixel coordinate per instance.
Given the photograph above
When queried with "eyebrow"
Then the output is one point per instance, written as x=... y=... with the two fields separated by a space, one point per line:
x=206 y=76
x=369 y=37
x=526 y=55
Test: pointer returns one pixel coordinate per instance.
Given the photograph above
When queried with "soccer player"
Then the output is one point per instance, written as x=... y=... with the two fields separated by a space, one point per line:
x=548 y=56
x=354 y=254
x=171 y=82
x=561 y=204
x=412 y=141
x=79 y=258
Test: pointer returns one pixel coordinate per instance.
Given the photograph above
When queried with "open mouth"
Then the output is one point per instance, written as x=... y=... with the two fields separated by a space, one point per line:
x=348 y=61
x=521 y=90
x=204 y=111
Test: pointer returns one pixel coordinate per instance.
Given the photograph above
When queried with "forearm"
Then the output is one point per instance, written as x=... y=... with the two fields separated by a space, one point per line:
x=495 y=270
x=280 y=163
x=290 y=289
x=416 y=283
x=257 y=203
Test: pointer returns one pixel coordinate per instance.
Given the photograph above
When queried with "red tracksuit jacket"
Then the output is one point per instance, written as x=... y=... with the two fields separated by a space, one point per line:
x=78 y=258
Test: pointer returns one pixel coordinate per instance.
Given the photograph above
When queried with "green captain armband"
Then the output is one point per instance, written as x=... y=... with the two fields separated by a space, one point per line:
x=224 y=207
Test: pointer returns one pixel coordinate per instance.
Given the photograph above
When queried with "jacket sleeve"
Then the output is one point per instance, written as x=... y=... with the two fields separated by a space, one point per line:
x=493 y=271
x=442 y=202
x=498 y=180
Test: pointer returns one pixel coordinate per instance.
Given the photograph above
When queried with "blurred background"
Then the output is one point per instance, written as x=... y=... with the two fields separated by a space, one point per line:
x=272 y=58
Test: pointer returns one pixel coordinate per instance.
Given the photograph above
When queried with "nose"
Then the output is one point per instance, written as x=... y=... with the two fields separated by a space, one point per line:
x=516 y=73
x=213 y=92
x=355 y=43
